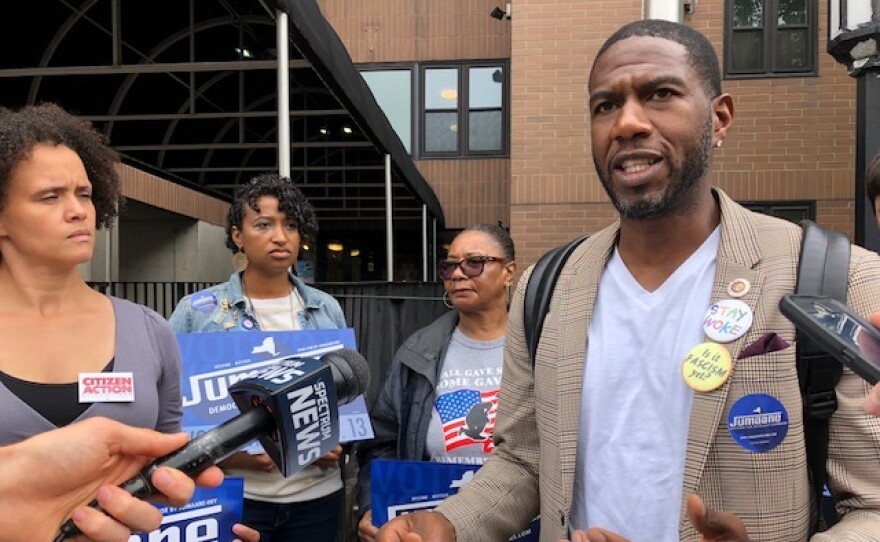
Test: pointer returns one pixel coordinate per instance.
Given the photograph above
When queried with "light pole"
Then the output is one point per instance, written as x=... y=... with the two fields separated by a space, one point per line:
x=854 y=40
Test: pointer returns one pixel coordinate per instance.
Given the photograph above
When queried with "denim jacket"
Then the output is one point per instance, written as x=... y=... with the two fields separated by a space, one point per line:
x=224 y=307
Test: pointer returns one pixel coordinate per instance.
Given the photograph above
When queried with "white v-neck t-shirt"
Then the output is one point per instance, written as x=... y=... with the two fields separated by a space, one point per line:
x=635 y=405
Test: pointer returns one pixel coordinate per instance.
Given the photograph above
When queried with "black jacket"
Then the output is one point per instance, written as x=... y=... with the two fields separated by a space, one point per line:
x=402 y=411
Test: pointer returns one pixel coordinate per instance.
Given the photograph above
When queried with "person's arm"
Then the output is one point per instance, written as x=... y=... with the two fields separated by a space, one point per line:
x=181 y=318
x=52 y=476
x=872 y=403
x=503 y=496
x=337 y=314
x=854 y=435
x=169 y=361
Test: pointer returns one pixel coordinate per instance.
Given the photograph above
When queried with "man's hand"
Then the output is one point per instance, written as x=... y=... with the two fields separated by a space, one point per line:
x=417 y=527
x=713 y=526
x=49 y=477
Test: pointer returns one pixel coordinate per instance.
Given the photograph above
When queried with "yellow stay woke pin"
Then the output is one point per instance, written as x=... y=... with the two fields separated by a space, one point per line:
x=706 y=367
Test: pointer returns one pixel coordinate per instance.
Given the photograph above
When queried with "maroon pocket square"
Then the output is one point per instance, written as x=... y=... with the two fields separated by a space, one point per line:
x=767 y=343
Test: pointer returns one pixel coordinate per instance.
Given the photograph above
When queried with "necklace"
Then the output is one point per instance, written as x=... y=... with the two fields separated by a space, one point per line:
x=257 y=314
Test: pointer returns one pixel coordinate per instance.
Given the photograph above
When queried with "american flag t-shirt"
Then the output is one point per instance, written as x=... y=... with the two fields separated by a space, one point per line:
x=468 y=417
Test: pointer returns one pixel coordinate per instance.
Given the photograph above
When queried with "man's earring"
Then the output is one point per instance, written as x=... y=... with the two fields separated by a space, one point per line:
x=719 y=143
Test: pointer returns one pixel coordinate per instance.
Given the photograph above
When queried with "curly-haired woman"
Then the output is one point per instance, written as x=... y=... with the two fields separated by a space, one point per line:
x=267 y=223
x=64 y=342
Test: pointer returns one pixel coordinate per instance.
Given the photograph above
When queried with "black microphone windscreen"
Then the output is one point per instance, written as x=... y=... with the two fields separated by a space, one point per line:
x=295 y=419
x=351 y=373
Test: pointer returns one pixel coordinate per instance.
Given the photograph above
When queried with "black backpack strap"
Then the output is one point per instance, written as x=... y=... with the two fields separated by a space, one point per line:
x=539 y=290
x=823 y=270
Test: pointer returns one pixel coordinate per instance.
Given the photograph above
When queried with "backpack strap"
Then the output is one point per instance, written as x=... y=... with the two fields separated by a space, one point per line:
x=539 y=290
x=823 y=269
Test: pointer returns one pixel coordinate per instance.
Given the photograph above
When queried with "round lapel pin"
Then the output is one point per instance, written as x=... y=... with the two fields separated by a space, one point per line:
x=738 y=288
x=758 y=422
x=727 y=320
x=706 y=367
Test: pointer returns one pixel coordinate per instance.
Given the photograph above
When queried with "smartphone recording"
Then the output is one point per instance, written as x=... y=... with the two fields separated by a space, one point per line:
x=838 y=330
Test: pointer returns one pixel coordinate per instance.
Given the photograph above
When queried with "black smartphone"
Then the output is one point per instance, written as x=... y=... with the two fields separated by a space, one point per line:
x=837 y=329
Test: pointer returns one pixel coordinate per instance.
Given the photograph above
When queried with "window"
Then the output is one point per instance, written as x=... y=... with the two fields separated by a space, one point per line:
x=793 y=211
x=393 y=92
x=460 y=109
x=485 y=98
x=463 y=110
x=441 y=111
x=770 y=38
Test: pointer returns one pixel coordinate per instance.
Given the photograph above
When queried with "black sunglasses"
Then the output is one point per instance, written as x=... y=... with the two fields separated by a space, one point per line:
x=472 y=266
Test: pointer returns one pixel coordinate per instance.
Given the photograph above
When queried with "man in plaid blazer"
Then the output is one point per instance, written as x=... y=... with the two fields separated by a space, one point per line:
x=606 y=430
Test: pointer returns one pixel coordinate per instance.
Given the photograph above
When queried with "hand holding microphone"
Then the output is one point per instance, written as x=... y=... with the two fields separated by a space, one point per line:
x=291 y=407
x=46 y=476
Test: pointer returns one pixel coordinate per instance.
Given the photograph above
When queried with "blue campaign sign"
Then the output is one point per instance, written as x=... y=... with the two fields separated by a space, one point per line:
x=403 y=487
x=214 y=361
x=209 y=516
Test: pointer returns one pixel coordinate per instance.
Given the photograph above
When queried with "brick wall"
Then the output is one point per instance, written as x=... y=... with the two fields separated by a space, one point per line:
x=470 y=191
x=407 y=30
x=792 y=138
x=387 y=31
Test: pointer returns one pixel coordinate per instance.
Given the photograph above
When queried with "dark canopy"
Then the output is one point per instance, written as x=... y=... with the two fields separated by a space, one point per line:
x=186 y=89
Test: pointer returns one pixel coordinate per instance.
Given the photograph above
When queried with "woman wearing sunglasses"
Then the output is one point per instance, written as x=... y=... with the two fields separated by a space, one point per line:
x=439 y=400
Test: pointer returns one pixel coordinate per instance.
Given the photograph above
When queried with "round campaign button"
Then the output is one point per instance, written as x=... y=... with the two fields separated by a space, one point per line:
x=727 y=320
x=738 y=287
x=247 y=323
x=758 y=422
x=706 y=367
x=204 y=301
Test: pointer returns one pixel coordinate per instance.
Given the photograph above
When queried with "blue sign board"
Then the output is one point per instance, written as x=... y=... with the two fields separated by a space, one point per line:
x=403 y=487
x=209 y=516
x=214 y=361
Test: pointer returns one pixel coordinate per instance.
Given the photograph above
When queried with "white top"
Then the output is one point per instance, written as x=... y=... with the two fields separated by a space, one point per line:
x=279 y=313
x=635 y=405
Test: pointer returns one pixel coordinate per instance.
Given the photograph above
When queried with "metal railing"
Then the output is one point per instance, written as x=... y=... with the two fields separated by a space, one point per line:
x=162 y=297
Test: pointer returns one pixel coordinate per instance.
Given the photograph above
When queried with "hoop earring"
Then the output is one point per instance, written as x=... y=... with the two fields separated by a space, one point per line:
x=447 y=300
x=239 y=261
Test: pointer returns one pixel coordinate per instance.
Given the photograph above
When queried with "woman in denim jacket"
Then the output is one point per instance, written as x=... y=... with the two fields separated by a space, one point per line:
x=268 y=220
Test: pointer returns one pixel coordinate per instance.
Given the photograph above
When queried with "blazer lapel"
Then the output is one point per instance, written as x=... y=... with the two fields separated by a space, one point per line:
x=576 y=293
x=737 y=258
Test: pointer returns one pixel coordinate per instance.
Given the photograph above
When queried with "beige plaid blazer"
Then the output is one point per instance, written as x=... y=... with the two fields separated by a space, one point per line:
x=533 y=464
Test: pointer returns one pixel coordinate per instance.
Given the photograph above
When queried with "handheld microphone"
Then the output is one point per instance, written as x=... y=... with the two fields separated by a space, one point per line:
x=291 y=407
